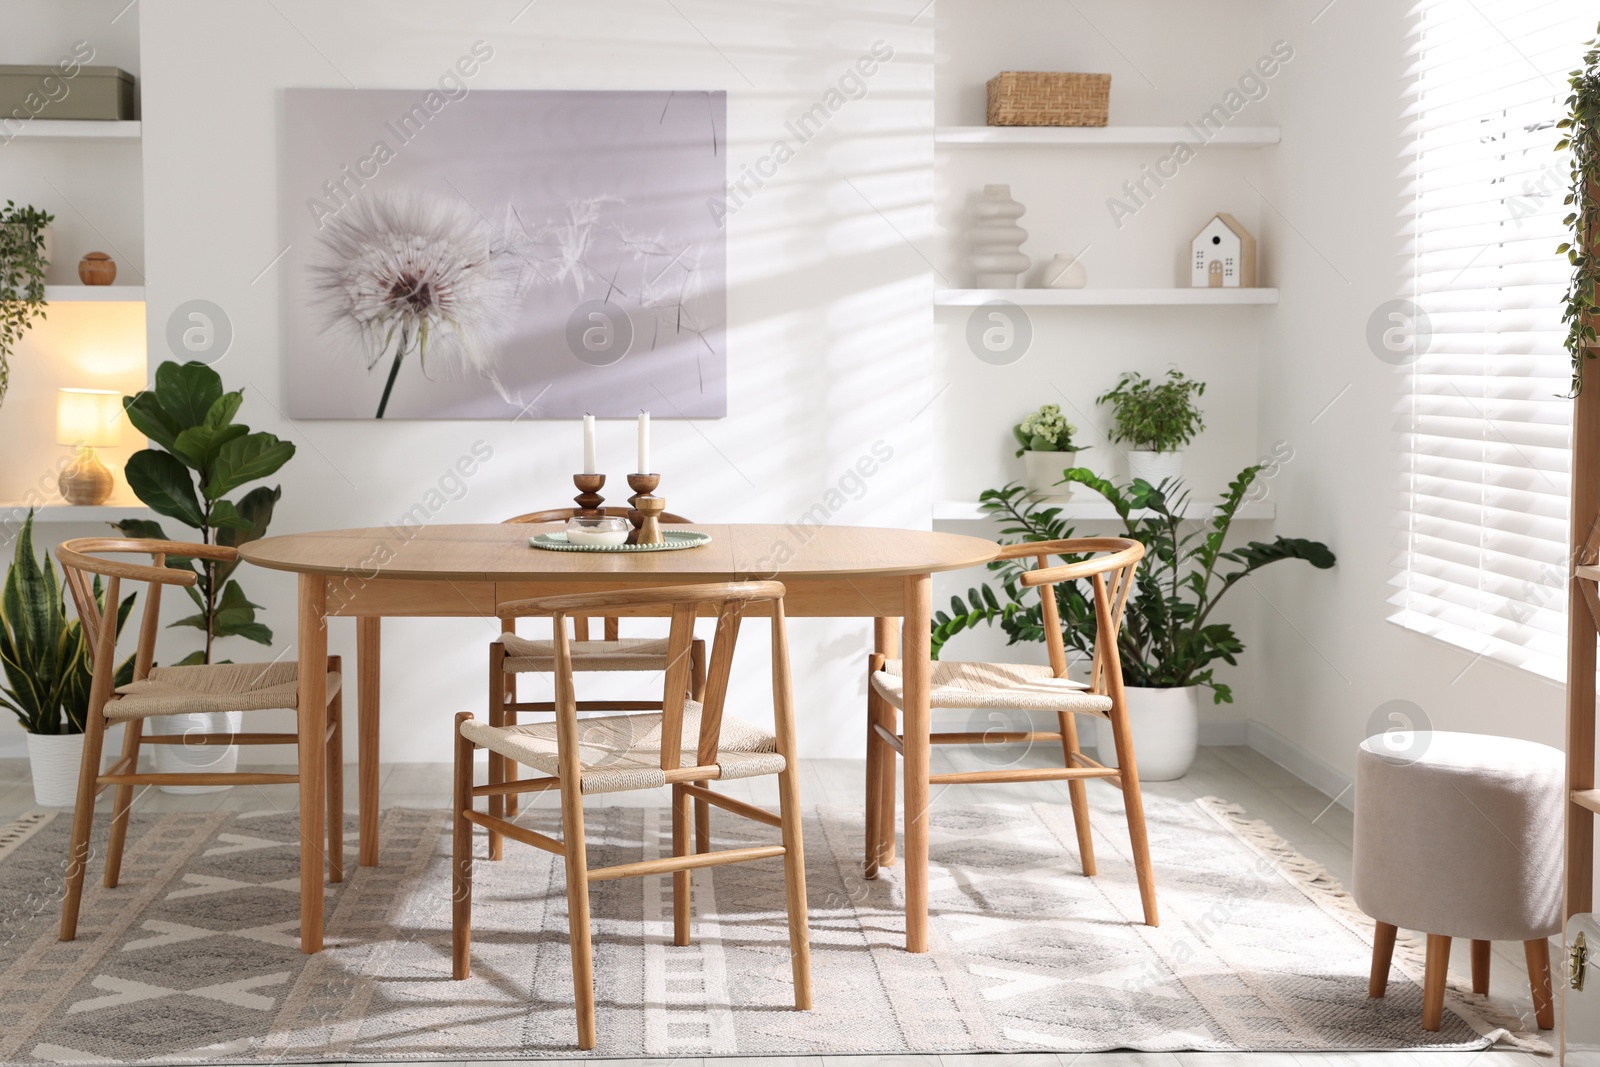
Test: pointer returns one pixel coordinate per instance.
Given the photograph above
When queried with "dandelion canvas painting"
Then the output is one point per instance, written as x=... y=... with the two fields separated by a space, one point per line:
x=504 y=254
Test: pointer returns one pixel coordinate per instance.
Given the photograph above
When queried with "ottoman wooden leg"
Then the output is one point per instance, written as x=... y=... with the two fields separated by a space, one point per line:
x=1433 y=981
x=1480 y=968
x=1382 y=954
x=1538 y=953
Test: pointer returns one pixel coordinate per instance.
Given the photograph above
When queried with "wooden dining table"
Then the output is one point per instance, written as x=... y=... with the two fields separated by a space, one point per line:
x=467 y=571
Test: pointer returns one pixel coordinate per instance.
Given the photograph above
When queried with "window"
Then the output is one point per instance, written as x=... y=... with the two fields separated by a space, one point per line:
x=1486 y=428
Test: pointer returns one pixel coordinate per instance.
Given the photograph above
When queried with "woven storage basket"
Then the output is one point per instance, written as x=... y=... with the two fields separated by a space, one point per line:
x=1043 y=98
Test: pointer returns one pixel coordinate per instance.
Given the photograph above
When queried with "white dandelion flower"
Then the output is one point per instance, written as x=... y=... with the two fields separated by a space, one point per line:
x=405 y=272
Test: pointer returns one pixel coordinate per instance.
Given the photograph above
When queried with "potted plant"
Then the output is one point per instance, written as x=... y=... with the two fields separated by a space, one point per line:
x=200 y=456
x=24 y=255
x=1170 y=644
x=1157 y=419
x=45 y=659
x=1047 y=450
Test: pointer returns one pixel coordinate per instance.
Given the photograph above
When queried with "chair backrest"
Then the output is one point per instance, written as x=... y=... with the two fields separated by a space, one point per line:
x=726 y=600
x=1110 y=569
x=81 y=561
x=580 y=625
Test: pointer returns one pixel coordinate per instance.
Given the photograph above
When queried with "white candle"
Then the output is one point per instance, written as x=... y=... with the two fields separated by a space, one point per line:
x=597 y=537
x=588 y=445
x=644 y=443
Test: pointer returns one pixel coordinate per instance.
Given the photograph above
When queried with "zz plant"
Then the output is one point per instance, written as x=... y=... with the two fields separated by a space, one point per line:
x=1582 y=124
x=22 y=267
x=1169 y=638
x=202 y=456
x=1158 y=416
x=45 y=654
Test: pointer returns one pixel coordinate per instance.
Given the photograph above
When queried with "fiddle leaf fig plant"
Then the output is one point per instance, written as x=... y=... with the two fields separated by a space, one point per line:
x=1169 y=638
x=1582 y=140
x=1158 y=416
x=44 y=653
x=202 y=455
x=22 y=267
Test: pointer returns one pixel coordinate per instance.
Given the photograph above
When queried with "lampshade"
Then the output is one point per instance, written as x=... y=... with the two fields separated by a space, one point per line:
x=88 y=417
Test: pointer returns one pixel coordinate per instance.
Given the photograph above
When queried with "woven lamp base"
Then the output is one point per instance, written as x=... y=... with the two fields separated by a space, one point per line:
x=85 y=480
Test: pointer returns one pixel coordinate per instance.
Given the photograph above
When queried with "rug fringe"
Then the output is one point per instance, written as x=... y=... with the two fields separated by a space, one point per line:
x=1410 y=955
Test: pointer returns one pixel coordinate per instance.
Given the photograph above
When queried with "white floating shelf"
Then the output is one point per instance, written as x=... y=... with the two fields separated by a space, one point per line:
x=73 y=130
x=103 y=294
x=1094 y=508
x=11 y=515
x=1090 y=136
x=1104 y=297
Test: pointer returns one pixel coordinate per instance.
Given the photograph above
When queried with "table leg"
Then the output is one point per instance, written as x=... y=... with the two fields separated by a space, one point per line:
x=368 y=645
x=313 y=725
x=916 y=668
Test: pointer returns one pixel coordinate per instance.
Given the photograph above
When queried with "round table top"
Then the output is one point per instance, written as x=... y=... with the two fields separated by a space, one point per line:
x=499 y=552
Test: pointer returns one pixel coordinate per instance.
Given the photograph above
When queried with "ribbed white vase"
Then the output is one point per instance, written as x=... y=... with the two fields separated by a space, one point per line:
x=995 y=239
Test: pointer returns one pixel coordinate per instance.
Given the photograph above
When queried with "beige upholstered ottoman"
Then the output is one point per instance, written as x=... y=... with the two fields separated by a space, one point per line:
x=1459 y=835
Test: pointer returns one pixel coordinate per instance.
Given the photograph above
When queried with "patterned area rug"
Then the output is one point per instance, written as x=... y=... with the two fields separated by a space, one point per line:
x=194 y=957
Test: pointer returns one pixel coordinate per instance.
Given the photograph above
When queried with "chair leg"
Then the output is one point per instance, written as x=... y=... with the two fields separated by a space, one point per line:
x=702 y=821
x=335 y=778
x=82 y=821
x=1077 y=792
x=1382 y=955
x=875 y=755
x=1480 y=967
x=578 y=910
x=1138 y=836
x=461 y=859
x=1538 y=954
x=697 y=670
x=682 y=813
x=497 y=762
x=886 y=790
x=794 y=882
x=121 y=802
x=1433 y=981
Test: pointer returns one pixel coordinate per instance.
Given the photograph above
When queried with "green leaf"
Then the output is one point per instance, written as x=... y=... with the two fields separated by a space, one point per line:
x=221 y=413
x=187 y=391
x=148 y=417
x=246 y=459
x=224 y=516
x=198 y=445
x=165 y=485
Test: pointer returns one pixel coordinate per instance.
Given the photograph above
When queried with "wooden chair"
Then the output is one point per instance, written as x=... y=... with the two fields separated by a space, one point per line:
x=687 y=745
x=511 y=655
x=158 y=691
x=1027 y=687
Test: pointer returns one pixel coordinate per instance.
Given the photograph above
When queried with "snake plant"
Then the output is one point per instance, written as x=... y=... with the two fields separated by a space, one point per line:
x=43 y=652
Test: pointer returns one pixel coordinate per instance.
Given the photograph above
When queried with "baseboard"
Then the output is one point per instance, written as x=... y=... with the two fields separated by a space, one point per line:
x=1309 y=768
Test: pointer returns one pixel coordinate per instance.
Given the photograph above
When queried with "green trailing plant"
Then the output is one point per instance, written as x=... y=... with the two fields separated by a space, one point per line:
x=1169 y=638
x=22 y=266
x=1158 y=416
x=202 y=456
x=1582 y=139
x=1045 y=430
x=43 y=652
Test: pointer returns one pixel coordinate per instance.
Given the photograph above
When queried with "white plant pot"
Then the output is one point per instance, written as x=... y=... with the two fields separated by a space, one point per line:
x=55 y=759
x=1043 y=469
x=1154 y=467
x=1166 y=732
x=192 y=759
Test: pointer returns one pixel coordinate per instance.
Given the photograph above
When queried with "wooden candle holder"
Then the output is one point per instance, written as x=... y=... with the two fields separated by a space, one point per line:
x=642 y=485
x=590 y=502
x=649 y=531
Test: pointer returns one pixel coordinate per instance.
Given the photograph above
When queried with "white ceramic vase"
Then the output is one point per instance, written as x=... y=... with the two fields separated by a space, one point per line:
x=995 y=240
x=192 y=759
x=1064 y=272
x=1042 y=470
x=1154 y=467
x=54 y=761
x=1166 y=732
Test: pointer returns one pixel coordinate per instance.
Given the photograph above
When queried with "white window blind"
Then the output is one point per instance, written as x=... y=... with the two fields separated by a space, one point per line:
x=1485 y=425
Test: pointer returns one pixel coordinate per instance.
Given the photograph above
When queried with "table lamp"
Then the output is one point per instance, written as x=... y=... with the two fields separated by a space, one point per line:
x=87 y=418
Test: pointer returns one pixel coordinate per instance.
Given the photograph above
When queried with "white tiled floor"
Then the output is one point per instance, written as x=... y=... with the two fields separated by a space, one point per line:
x=1300 y=813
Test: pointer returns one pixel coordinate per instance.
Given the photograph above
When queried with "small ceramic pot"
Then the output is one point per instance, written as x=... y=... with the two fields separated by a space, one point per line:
x=1154 y=467
x=97 y=268
x=1064 y=272
x=54 y=761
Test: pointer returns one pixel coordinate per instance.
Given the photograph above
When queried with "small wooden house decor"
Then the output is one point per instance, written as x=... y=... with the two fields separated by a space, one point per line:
x=1223 y=255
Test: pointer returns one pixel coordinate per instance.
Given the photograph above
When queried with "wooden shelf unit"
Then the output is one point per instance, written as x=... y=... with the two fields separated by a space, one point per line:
x=1161 y=297
x=1104 y=136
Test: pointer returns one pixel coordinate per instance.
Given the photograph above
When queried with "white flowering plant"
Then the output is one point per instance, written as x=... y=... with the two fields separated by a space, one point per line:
x=1045 y=430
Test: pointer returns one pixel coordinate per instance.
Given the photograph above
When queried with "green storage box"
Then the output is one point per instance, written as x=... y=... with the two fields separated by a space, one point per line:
x=103 y=93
